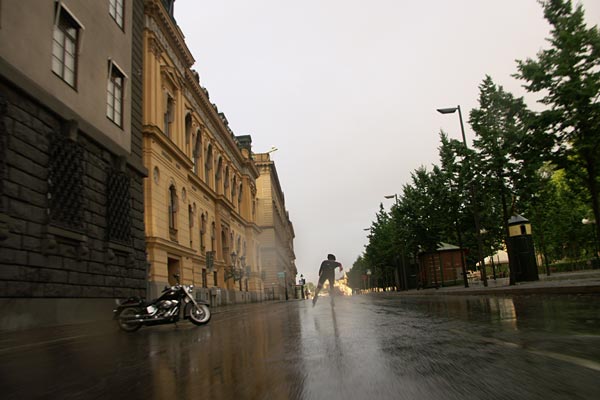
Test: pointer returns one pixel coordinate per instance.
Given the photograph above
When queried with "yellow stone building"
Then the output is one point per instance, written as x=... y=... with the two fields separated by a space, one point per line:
x=200 y=194
x=277 y=233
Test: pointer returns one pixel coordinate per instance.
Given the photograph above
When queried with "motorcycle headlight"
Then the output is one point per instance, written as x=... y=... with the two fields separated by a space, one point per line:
x=190 y=288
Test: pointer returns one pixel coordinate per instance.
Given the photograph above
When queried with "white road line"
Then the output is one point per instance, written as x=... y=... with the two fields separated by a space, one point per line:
x=30 y=345
x=581 y=362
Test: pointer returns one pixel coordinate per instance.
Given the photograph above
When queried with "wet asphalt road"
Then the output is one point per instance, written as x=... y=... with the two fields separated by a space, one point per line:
x=366 y=347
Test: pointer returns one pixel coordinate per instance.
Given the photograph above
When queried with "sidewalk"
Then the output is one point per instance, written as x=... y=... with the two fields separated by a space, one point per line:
x=579 y=282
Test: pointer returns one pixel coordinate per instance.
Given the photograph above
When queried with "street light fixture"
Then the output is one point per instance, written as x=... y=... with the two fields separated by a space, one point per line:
x=233 y=271
x=452 y=110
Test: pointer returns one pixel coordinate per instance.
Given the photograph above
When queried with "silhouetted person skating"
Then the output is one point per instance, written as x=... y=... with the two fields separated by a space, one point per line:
x=327 y=272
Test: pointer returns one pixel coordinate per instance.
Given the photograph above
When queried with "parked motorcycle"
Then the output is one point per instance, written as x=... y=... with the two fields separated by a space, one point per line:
x=134 y=312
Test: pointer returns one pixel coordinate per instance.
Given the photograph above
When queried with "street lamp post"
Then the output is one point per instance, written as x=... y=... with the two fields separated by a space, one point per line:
x=302 y=286
x=452 y=110
x=233 y=272
x=243 y=273
x=396 y=274
x=592 y=222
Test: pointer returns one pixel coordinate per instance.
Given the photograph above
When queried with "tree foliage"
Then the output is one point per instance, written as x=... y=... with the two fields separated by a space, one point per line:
x=568 y=76
x=543 y=165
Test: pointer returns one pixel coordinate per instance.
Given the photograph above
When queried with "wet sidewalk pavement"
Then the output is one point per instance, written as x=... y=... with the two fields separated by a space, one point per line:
x=577 y=282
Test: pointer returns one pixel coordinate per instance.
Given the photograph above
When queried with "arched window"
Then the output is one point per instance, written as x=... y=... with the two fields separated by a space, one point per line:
x=202 y=232
x=233 y=189
x=239 y=199
x=197 y=151
x=218 y=173
x=188 y=134
x=213 y=236
x=225 y=247
x=191 y=223
x=172 y=208
x=208 y=164
x=169 y=115
x=226 y=181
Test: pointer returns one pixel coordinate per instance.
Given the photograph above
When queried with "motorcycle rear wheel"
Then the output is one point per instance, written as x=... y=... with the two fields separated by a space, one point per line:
x=124 y=324
x=199 y=315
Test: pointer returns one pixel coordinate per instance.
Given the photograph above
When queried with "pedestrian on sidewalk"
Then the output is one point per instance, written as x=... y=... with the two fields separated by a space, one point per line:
x=327 y=272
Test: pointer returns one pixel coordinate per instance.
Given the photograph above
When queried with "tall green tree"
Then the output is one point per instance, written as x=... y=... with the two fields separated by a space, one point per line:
x=453 y=168
x=359 y=268
x=568 y=76
x=504 y=144
x=557 y=219
x=508 y=153
x=419 y=205
x=380 y=252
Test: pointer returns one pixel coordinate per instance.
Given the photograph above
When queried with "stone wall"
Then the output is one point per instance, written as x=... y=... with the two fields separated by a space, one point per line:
x=71 y=212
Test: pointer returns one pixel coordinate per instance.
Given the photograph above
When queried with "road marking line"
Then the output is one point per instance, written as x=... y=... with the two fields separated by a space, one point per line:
x=581 y=362
x=25 y=346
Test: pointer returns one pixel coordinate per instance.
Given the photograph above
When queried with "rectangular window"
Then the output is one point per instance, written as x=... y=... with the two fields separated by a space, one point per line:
x=64 y=46
x=114 y=94
x=115 y=9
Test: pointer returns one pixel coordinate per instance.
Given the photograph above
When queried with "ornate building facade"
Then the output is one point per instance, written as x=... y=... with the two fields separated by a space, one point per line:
x=277 y=233
x=71 y=173
x=200 y=194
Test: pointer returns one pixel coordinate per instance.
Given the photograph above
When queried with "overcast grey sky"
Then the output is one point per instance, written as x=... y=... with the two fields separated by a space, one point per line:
x=347 y=91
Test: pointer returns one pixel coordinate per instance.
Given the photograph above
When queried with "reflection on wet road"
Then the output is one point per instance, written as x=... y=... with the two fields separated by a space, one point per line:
x=383 y=346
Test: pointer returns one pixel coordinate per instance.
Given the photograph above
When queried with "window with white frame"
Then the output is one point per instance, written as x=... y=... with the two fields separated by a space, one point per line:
x=116 y=11
x=65 y=41
x=114 y=94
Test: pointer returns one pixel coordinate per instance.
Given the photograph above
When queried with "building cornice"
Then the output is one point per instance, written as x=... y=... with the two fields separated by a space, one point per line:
x=155 y=241
x=206 y=190
x=156 y=11
x=215 y=119
x=153 y=132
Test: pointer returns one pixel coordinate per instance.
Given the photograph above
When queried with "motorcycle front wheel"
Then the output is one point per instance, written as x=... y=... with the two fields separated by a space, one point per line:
x=200 y=314
x=126 y=315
